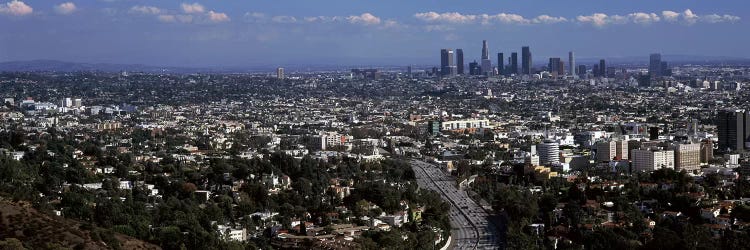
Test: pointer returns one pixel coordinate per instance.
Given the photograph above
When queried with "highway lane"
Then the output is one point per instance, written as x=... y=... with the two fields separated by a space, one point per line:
x=470 y=222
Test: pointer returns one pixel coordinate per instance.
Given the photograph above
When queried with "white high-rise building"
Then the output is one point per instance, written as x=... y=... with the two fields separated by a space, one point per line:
x=549 y=152
x=652 y=159
x=572 y=64
x=67 y=102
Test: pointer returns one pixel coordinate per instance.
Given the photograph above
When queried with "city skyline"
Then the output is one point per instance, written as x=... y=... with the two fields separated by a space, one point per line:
x=203 y=33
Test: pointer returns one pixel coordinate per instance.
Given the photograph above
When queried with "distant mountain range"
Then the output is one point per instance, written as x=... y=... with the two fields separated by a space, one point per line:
x=62 y=66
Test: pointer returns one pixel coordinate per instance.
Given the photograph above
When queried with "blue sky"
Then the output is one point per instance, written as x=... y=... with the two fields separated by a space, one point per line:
x=241 y=33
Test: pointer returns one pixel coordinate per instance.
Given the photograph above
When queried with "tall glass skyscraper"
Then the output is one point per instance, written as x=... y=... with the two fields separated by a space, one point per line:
x=654 y=65
x=500 y=64
x=571 y=64
x=486 y=63
x=447 y=66
x=525 y=60
x=733 y=127
x=460 y=61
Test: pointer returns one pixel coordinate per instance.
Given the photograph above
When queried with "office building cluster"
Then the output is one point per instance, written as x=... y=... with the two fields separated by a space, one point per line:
x=452 y=63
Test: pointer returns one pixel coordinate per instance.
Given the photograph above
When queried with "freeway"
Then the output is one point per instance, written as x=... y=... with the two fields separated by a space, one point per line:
x=472 y=228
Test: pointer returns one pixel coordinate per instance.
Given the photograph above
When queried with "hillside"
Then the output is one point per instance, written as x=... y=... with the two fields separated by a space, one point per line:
x=37 y=230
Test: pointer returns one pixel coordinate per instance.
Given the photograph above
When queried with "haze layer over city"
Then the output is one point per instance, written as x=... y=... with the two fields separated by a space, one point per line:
x=374 y=124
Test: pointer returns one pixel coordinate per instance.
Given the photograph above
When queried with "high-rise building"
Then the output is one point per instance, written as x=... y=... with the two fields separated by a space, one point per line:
x=654 y=65
x=611 y=71
x=554 y=66
x=622 y=149
x=707 y=151
x=460 y=61
x=525 y=60
x=280 y=73
x=611 y=150
x=486 y=62
x=733 y=130
x=595 y=70
x=67 y=102
x=582 y=70
x=652 y=159
x=653 y=133
x=561 y=68
x=485 y=50
x=665 y=71
x=687 y=157
x=500 y=64
x=602 y=68
x=571 y=64
x=433 y=127
x=447 y=65
x=513 y=63
x=605 y=151
x=474 y=69
x=549 y=152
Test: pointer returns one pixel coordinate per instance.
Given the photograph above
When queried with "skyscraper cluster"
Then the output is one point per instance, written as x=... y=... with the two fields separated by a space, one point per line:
x=452 y=63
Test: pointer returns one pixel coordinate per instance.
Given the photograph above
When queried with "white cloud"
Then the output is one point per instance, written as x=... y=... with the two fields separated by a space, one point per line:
x=284 y=19
x=323 y=19
x=504 y=18
x=448 y=17
x=714 y=18
x=150 y=10
x=65 y=8
x=366 y=19
x=686 y=17
x=642 y=18
x=217 y=17
x=16 y=8
x=258 y=17
x=192 y=8
x=597 y=19
x=546 y=19
x=670 y=16
x=689 y=18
